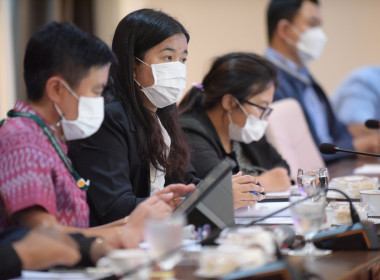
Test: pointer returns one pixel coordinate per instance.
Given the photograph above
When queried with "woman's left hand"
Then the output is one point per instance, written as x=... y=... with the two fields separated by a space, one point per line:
x=243 y=187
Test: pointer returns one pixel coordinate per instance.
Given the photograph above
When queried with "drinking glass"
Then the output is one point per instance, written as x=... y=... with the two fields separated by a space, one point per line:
x=308 y=215
x=313 y=180
x=164 y=236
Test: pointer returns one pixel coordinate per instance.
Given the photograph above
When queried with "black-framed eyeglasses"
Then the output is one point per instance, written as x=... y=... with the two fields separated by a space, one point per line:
x=266 y=111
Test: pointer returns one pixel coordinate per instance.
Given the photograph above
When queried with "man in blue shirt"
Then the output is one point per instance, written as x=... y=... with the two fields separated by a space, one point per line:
x=358 y=99
x=295 y=38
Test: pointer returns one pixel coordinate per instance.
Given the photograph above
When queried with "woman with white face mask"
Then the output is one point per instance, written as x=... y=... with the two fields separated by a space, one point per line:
x=227 y=116
x=128 y=158
x=65 y=72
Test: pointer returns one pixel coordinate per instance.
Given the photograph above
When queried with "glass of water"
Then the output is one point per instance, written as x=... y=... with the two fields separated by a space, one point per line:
x=164 y=238
x=313 y=180
x=308 y=215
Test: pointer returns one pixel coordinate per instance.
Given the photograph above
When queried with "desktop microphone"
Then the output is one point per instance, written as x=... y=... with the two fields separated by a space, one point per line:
x=372 y=124
x=283 y=266
x=328 y=149
x=285 y=235
x=214 y=234
x=358 y=236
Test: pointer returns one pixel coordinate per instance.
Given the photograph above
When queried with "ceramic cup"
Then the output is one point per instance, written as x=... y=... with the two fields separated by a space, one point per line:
x=372 y=198
x=123 y=260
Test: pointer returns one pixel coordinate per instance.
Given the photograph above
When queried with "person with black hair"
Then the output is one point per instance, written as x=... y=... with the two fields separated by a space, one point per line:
x=25 y=252
x=44 y=247
x=296 y=38
x=65 y=72
x=140 y=141
x=226 y=116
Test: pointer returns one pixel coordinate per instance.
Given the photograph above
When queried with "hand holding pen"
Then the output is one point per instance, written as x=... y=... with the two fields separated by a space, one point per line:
x=244 y=187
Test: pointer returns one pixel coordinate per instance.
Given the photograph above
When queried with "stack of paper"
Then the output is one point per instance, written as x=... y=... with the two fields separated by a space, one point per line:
x=368 y=169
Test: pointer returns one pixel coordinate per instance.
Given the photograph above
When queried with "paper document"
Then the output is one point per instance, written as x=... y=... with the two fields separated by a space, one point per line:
x=269 y=221
x=40 y=275
x=368 y=169
x=261 y=209
x=277 y=194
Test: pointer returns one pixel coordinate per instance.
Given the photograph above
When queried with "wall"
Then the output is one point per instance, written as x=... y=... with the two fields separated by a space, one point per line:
x=220 y=26
x=7 y=81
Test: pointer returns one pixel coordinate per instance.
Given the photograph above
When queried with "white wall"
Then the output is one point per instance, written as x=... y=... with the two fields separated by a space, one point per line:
x=220 y=26
x=7 y=81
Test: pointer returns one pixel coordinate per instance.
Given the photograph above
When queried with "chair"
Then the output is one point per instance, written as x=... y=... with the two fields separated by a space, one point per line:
x=289 y=133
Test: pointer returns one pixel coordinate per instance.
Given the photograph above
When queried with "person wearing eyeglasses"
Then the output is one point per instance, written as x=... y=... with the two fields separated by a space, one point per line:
x=227 y=115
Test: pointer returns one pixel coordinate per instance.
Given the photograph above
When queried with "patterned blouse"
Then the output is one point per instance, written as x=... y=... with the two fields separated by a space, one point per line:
x=32 y=174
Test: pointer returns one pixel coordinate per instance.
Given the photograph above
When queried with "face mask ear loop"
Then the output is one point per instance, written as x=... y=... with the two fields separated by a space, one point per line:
x=295 y=29
x=141 y=87
x=60 y=114
x=143 y=62
x=229 y=116
x=70 y=89
x=241 y=107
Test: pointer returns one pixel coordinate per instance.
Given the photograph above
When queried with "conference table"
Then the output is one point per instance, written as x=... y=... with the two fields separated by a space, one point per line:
x=342 y=265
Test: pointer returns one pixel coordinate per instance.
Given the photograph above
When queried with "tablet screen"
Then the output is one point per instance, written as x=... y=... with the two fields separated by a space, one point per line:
x=216 y=175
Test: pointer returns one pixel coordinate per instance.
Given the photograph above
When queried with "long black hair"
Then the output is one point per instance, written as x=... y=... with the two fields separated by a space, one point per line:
x=138 y=32
x=240 y=74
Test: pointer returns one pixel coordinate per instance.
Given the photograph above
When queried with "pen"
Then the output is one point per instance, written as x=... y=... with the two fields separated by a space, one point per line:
x=256 y=192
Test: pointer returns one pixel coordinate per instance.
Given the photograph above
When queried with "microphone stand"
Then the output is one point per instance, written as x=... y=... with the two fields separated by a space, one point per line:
x=356 y=152
x=354 y=214
x=214 y=233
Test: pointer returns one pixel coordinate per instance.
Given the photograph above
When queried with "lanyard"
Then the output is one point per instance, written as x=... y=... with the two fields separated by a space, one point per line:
x=81 y=183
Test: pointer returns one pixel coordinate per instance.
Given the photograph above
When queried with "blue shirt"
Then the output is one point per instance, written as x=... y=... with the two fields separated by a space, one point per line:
x=309 y=96
x=358 y=97
x=296 y=82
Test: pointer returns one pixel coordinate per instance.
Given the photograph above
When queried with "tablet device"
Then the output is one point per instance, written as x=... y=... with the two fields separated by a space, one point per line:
x=213 y=178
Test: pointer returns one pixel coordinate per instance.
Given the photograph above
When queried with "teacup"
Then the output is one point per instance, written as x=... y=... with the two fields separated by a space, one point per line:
x=121 y=261
x=372 y=197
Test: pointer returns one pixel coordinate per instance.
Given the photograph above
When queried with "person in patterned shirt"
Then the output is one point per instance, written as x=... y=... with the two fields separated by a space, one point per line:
x=65 y=72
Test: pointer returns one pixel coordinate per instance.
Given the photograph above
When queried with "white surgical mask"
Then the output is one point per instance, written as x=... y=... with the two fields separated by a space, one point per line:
x=90 y=116
x=169 y=83
x=311 y=44
x=253 y=129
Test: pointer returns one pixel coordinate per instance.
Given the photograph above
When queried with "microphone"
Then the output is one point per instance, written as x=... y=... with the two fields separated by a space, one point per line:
x=285 y=235
x=354 y=214
x=358 y=236
x=328 y=148
x=212 y=236
x=372 y=124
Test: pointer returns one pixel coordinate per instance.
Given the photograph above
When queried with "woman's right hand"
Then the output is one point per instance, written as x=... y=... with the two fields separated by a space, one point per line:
x=242 y=186
x=156 y=207
x=44 y=247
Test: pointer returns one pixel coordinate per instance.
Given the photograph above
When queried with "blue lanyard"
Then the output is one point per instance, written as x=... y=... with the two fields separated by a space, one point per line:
x=81 y=183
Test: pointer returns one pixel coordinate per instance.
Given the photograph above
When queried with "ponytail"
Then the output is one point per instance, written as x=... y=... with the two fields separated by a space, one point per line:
x=193 y=99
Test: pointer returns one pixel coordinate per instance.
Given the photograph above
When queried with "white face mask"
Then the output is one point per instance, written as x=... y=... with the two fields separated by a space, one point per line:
x=90 y=116
x=253 y=129
x=311 y=44
x=169 y=83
